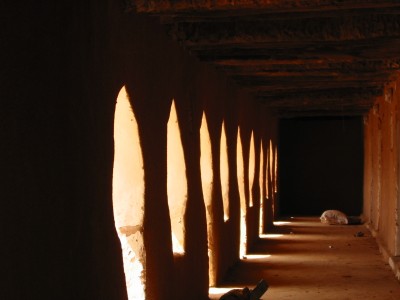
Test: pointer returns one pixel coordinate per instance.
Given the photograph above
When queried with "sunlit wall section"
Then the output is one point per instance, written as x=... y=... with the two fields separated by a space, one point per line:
x=252 y=165
x=224 y=169
x=243 y=206
x=207 y=185
x=176 y=182
x=128 y=195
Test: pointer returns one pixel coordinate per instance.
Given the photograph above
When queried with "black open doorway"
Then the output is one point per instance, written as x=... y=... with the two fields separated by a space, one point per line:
x=320 y=165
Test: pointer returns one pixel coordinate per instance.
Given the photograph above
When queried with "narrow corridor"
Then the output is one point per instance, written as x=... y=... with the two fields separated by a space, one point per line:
x=145 y=144
x=305 y=260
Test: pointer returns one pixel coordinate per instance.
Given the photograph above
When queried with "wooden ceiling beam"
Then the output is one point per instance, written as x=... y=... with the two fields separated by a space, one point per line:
x=257 y=14
x=340 y=51
x=250 y=30
x=294 y=84
x=376 y=63
x=299 y=58
x=321 y=103
x=285 y=88
x=339 y=80
x=307 y=95
x=185 y=6
x=293 y=113
x=305 y=75
x=313 y=68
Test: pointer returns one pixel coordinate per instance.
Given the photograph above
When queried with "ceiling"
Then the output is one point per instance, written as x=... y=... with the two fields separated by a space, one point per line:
x=298 y=57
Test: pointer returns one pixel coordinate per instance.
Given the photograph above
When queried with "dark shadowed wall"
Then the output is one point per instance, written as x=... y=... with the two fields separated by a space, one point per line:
x=62 y=68
x=321 y=165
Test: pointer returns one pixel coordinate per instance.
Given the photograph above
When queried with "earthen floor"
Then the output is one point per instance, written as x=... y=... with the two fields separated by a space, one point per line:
x=305 y=260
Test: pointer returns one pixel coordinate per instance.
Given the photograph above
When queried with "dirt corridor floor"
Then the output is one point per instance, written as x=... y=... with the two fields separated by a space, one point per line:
x=305 y=260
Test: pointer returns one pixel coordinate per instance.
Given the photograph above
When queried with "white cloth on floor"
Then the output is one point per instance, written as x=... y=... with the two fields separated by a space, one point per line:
x=334 y=217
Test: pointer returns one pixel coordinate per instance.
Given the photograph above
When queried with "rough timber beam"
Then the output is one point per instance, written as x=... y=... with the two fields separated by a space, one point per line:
x=384 y=48
x=338 y=101
x=185 y=6
x=331 y=103
x=285 y=88
x=298 y=57
x=262 y=83
x=319 y=112
x=322 y=110
x=352 y=95
x=263 y=30
x=317 y=75
x=310 y=65
x=212 y=16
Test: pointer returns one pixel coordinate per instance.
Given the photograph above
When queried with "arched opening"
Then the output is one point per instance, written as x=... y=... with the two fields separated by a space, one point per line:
x=271 y=159
x=262 y=188
x=268 y=205
x=176 y=182
x=128 y=195
x=224 y=169
x=207 y=185
x=267 y=172
x=243 y=206
x=252 y=165
x=272 y=177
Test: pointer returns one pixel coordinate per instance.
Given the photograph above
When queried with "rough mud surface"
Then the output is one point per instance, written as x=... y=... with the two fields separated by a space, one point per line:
x=305 y=259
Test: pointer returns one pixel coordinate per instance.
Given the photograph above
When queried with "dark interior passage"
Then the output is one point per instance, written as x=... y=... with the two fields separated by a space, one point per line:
x=321 y=165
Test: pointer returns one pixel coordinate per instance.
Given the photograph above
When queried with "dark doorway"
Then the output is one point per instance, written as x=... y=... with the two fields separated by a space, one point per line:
x=320 y=165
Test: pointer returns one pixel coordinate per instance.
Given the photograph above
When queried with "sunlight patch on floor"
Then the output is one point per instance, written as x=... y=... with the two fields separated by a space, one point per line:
x=256 y=256
x=280 y=223
x=270 y=235
x=215 y=291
